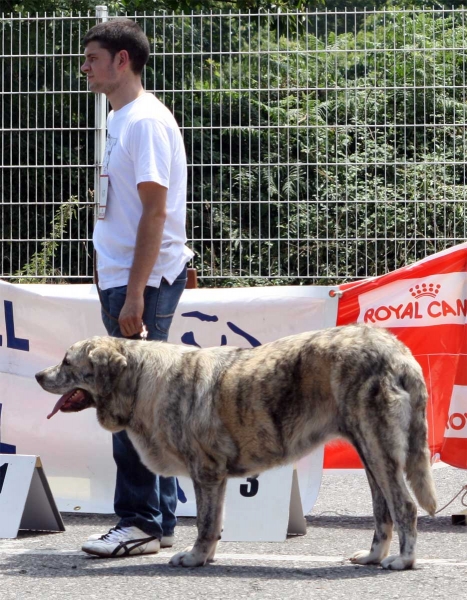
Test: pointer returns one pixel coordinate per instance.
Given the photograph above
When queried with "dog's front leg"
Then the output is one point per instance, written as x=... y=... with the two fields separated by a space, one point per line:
x=209 y=507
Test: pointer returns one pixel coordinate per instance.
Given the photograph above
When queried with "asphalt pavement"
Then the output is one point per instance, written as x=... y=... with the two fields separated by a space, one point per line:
x=50 y=565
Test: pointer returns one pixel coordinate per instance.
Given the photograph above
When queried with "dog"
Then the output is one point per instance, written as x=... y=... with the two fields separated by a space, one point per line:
x=215 y=413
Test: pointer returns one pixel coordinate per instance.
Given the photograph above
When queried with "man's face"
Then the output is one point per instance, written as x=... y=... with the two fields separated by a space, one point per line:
x=100 y=69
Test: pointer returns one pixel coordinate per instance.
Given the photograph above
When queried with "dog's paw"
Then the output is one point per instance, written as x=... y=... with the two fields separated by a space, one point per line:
x=188 y=559
x=365 y=557
x=396 y=562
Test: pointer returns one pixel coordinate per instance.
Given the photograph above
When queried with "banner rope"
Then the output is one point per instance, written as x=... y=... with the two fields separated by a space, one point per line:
x=463 y=489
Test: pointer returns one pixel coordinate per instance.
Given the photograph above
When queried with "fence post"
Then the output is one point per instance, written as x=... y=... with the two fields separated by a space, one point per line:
x=100 y=124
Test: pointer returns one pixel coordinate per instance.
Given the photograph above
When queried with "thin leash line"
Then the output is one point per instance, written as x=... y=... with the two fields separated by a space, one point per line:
x=463 y=489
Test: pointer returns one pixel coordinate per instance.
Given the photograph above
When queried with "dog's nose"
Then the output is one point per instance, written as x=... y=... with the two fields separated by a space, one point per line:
x=39 y=376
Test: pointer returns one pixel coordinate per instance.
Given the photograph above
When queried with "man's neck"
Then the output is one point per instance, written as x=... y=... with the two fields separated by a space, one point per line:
x=127 y=92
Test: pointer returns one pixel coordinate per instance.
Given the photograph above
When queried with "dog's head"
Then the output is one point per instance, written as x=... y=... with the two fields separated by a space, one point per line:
x=87 y=377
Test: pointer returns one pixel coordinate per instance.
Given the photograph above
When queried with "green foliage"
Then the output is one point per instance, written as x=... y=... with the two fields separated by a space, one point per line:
x=44 y=141
x=42 y=265
x=323 y=149
x=360 y=168
x=139 y=6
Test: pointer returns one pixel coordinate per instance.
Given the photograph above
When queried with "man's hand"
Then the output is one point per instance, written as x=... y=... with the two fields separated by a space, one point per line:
x=131 y=316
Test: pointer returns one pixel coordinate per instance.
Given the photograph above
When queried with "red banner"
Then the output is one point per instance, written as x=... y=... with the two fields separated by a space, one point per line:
x=425 y=306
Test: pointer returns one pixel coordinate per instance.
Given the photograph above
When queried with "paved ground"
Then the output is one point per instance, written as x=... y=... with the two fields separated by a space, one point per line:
x=50 y=566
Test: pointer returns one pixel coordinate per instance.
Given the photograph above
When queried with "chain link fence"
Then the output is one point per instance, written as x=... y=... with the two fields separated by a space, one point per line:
x=322 y=146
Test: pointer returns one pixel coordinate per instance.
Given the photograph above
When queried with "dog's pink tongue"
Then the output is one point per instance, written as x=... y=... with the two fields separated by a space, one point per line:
x=60 y=403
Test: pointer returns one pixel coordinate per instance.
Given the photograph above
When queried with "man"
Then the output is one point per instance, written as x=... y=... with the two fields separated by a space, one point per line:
x=141 y=255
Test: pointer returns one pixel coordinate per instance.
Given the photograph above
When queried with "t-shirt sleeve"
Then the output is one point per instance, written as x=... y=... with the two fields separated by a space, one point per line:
x=151 y=152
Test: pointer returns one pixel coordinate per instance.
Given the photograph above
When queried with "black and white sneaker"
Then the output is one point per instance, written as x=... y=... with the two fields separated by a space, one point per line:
x=167 y=541
x=122 y=541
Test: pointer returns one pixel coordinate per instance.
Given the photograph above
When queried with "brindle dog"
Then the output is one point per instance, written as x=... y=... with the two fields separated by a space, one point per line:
x=225 y=412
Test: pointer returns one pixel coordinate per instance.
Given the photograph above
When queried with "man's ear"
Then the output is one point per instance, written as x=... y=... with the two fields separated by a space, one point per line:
x=108 y=365
x=123 y=58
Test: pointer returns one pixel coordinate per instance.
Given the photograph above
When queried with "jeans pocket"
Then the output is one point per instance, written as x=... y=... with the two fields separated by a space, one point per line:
x=112 y=301
x=167 y=302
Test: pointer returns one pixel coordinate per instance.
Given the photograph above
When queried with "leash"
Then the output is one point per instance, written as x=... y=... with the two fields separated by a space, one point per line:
x=144 y=333
x=463 y=489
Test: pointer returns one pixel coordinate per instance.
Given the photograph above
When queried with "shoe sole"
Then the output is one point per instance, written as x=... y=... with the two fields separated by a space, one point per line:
x=105 y=555
x=93 y=538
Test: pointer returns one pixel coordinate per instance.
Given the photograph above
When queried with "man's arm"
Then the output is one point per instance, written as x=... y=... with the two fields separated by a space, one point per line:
x=148 y=242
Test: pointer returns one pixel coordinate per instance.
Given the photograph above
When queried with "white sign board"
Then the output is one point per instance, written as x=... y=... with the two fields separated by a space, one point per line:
x=26 y=501
x=265 y=509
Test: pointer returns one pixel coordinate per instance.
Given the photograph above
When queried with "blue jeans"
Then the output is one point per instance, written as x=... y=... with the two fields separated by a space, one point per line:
x=143 y=499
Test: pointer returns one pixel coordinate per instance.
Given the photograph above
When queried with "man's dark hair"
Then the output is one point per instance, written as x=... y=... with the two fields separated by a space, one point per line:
x=121 y=34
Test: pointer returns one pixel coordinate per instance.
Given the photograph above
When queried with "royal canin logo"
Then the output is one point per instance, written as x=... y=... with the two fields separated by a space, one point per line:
x=430 y=290
x=425 y=304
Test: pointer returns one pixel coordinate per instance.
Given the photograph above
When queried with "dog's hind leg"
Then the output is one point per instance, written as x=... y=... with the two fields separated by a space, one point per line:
x=209 y=507
x=383 y=529
x=386 y=467
x=404 y=513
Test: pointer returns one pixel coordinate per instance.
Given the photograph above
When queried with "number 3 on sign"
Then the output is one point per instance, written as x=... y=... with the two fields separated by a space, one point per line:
x=253 y=490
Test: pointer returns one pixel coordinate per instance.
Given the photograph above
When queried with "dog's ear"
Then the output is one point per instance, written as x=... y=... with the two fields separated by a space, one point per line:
x=108 y=364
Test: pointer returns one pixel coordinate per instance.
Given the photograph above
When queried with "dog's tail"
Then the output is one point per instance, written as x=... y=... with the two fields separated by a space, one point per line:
x=418 y=466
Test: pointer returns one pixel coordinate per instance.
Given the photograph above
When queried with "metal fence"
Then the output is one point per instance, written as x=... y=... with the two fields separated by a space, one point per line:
x=322 y=147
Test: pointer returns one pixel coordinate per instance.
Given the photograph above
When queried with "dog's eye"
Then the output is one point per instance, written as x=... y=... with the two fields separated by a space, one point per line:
x=66 y=362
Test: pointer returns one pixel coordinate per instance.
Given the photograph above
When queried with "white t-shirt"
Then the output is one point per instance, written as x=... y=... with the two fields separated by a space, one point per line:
x=144 y=143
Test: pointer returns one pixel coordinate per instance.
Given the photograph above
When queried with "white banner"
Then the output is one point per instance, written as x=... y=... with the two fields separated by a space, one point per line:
x=39 y=322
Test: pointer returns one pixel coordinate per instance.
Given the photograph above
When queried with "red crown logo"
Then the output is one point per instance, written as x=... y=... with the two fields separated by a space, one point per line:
x=430 y=290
